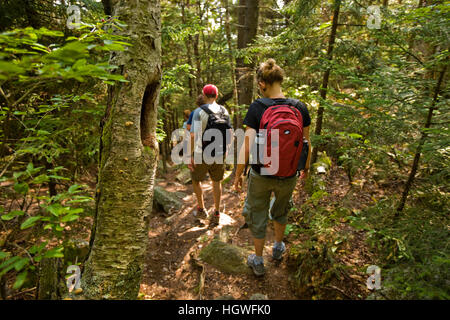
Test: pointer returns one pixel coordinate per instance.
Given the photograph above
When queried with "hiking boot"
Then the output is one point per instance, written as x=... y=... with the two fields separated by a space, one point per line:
x=214 y=218
x=257 y=266
x=277 y=251
x=200 y=213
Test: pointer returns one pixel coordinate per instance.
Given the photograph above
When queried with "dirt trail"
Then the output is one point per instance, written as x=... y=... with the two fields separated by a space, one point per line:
x=171 y=271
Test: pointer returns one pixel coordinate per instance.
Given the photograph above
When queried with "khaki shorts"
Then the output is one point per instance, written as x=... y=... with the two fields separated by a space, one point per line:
x=257 y=203
x=215 y=170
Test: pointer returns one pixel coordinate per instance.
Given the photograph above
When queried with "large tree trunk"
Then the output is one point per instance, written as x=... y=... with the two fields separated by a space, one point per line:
x=248 y=27
x=127 y=159
x=326 y=75
x=230 y=50
x=187 y=43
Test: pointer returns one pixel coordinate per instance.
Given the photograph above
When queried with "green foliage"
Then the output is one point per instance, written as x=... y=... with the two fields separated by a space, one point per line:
x=414 y=249
x=50 y=86
x=56 y=213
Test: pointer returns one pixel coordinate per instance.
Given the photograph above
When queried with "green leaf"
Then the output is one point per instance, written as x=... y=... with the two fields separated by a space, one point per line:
x=36 y=249
x=21 y=263
x=30 y=222
x=21 y=188
x=12 y=215
x=54 y=253
x=20 y=280
x=8 y=265
x=55 y=209
x=289 y=228
x=74 y=188
x=30 y=167
x=10 y=68
x=40 y=179
x=3 y=255
x=69 y=218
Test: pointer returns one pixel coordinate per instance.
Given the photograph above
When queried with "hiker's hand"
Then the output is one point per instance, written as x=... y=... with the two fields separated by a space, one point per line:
x=305 y=174
x=237 y=186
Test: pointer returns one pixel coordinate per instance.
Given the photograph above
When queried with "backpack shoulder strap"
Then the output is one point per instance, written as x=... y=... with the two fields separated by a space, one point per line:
x=205 y=107
x=294 y=102
x=266 y=102
x=222 y=109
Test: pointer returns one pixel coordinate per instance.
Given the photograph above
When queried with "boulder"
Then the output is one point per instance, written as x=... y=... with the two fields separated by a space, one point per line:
x=184 y=176
x=225 y=297
x=259 y=296
x=226 y=257
x=165 y=200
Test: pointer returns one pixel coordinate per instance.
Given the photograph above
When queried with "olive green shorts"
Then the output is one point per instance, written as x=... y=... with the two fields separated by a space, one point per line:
x=215 y=170
x=257 y=203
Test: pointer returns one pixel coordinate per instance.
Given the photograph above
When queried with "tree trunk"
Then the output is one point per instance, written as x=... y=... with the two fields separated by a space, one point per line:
x=326 y=76
x=198 y=79
x=187 y=43
x=127 y=159
x=248 y=27
x=48 y=285
x=230 y=50
x=415 y=165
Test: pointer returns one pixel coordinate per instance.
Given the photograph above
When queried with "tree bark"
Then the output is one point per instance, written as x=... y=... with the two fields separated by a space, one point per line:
x=230 y=50
x=326 y=75
x=48 y=285
x=415 y=165
x=248 y=26
x=128 y=156
x=187 y=43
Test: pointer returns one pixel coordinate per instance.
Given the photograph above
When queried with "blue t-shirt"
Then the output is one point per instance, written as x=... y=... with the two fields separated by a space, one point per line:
x=190 y=118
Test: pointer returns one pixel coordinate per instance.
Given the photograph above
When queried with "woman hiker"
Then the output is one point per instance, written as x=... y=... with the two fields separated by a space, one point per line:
x=260 y=184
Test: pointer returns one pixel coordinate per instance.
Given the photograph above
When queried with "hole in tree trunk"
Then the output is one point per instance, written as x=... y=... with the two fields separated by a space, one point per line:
x=148 y=104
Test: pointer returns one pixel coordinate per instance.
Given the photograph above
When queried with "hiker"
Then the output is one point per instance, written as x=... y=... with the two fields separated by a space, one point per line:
x=293 y=136
x=199 y=102
x=186 y=114
x=209 y=115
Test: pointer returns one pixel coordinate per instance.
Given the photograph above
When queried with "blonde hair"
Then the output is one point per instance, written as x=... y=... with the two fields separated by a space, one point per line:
x=270 y=72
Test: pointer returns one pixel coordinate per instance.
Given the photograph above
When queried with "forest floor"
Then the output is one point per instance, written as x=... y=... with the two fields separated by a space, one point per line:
x=172 y=269
x=171 y=272
x=174 y=272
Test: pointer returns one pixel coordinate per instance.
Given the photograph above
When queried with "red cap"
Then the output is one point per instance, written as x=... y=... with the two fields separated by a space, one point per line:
x=210 y=89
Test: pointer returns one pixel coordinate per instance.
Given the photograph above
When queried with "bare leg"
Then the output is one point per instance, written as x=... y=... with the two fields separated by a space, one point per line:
x=217 y=191
x=279 y=231
x=259 y=246
x=198 y=192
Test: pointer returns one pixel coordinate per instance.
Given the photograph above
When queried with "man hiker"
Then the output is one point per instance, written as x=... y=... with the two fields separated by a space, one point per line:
x=291 y=119
x=210 y=119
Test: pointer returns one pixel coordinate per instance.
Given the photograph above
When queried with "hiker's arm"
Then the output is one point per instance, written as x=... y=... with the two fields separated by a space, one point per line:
x=244 y=153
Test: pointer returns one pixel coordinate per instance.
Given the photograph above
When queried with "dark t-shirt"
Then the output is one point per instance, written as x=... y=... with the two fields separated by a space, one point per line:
x=255 y=113
x=256 y=110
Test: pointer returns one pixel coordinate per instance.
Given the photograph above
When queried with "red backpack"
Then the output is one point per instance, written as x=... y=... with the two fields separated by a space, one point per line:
x=289 y=122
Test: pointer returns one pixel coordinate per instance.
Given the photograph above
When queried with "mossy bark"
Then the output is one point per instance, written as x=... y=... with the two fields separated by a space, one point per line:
x=128 y=155
x=49 y=279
